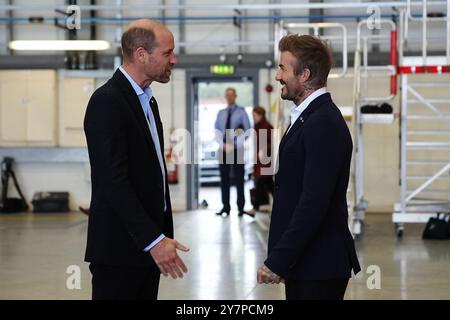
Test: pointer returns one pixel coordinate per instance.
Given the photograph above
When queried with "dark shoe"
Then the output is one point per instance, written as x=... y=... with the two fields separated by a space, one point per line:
x=204 y=204
x=227 y=212
x=241 y=213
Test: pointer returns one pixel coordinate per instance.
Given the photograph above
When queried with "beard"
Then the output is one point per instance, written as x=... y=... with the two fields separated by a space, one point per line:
x=164 y=79
x=285 y=93
x=288 y=93
x=165 y=76
x=292 y=93
x=158 y=74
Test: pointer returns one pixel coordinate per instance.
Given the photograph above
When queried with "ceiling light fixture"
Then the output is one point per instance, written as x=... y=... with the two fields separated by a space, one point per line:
x=59 y=45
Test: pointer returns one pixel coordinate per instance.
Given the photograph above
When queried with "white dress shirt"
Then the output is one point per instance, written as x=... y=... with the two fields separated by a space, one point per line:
x=296 y=111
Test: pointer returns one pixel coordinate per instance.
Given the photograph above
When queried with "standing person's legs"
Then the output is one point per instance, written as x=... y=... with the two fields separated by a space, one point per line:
x=124 y=283
x=267 y=187
x=316 y=289
x=269 y=184
x=239 y=173
x=264 y=185
x=259 y=189
x=225 y=185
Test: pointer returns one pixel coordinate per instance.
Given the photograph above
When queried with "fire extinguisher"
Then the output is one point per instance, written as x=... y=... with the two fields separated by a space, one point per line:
x=172 y=166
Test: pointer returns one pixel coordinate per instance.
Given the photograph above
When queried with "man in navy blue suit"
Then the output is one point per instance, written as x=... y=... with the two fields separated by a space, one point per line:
x=310 y=246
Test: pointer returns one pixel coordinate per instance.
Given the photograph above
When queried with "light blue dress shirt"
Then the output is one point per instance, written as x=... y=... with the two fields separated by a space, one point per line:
x=239 y=118
x=144 y=98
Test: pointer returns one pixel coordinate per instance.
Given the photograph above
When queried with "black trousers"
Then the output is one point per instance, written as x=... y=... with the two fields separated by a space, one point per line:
x=316 y=290
x=124 y=283
x=225 y=167
x=263 y=185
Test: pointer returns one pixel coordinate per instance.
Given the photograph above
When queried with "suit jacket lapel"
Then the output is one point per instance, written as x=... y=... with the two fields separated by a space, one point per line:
x=313 y=106
x=135 y=106
x=159 y=127
x=291 y=129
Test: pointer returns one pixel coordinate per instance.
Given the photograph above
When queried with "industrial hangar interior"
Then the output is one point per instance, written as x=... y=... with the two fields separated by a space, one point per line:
x=73 y=163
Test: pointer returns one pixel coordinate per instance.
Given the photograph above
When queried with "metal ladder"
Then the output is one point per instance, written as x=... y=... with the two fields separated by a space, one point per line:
x=362 y=71
x=424 y=128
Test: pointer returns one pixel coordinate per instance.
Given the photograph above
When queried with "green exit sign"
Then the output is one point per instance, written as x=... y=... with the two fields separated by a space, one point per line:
x=222 y=69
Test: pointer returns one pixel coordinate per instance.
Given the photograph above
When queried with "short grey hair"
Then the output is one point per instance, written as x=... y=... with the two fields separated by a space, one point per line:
x=134 y=38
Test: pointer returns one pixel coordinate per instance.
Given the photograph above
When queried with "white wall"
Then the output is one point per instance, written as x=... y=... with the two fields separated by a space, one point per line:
x=75 y=177
x=381 y=144
x=171 y=99
x=381 y=147
x=71 y=177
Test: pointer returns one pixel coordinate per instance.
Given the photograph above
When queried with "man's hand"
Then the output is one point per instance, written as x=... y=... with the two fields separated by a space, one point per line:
x=228 y=147
x=262 y=157
x=267 y=276
x=167 y=259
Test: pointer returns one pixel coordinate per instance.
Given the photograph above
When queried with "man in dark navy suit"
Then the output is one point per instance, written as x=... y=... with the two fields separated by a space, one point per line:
x=310 y=246
x=130 y=234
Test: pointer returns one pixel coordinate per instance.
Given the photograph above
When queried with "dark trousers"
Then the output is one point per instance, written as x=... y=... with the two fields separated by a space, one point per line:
x=316 y=290
x=238 y=173
x=263 y=186
x=124 y=283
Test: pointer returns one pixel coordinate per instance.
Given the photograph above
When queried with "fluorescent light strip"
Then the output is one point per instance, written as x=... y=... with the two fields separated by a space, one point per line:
x=59 y=45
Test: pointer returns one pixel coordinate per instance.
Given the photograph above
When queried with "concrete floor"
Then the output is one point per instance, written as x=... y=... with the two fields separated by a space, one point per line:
x=36 y=250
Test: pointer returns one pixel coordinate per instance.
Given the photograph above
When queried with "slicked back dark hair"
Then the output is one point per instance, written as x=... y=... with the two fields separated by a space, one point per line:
x=311 y=53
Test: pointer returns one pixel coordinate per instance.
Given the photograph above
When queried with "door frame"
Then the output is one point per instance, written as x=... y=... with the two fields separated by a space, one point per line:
x=193 y=76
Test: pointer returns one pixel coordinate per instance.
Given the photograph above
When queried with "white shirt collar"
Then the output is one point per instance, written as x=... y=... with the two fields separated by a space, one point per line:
x=296 y=111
